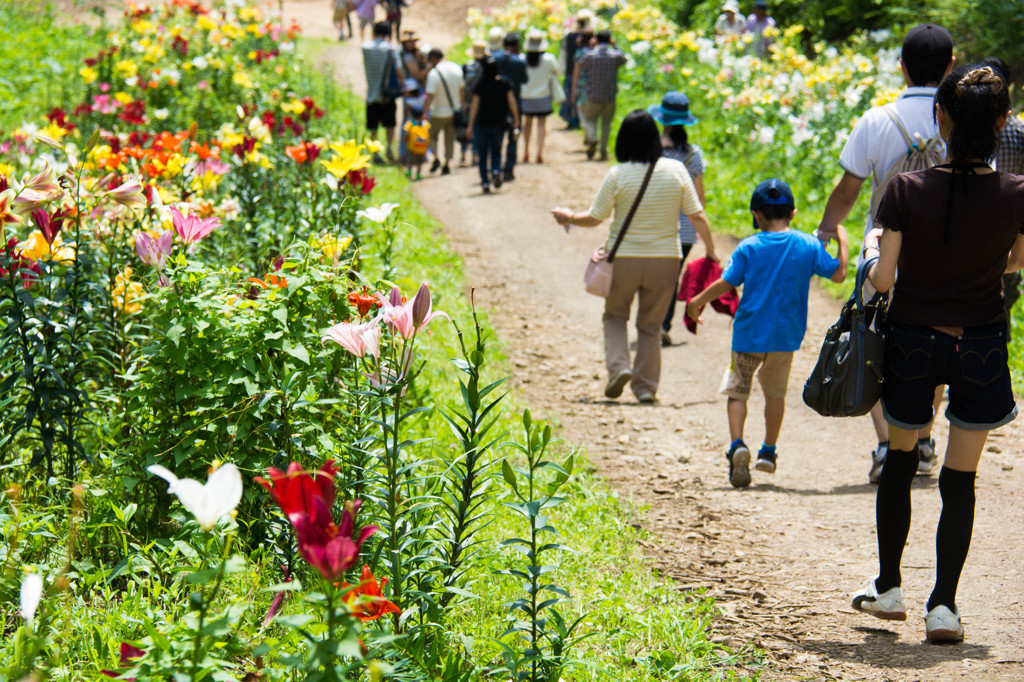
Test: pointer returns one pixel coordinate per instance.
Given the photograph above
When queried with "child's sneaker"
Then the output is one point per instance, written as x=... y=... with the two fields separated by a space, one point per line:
x=877 y=460
x=739 y=465
x=943 y=625
x=887 y=606
x=927 y=459
x=766 y=460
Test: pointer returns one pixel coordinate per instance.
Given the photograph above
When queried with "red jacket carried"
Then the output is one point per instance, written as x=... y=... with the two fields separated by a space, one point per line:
x=697 y=277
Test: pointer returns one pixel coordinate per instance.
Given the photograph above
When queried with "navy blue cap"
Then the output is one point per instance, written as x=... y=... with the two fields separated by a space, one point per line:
x=772 y=192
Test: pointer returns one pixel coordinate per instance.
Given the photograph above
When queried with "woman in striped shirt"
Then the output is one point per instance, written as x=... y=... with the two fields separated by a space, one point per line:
x=647 y=262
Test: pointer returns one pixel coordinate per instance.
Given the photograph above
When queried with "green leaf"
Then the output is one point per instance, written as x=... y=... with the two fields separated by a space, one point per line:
x=174 y=333
x=297 y=351
x=281 y=315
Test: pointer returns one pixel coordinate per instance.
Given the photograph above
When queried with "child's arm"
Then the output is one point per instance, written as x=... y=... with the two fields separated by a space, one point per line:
x=715 y=290
x=844 y=255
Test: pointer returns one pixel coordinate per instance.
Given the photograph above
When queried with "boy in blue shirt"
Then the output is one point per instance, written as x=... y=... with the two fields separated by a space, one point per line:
x=775 y=266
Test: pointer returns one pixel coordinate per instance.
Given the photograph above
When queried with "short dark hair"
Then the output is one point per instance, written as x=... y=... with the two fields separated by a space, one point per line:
x=382 y=29
x=490 y=68
x=776 y=212
x=604 y=36
x=511 y=40
x=638 y=140
x=435 y=53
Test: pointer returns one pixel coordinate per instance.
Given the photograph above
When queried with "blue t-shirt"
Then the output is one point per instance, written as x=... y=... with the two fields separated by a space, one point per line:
x=775 y=269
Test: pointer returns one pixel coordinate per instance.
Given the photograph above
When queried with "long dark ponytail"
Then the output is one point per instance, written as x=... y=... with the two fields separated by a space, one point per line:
x=974 y=98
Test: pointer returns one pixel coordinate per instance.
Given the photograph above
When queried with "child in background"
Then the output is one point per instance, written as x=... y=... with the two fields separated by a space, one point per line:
x=417 y=141
x=776 y=266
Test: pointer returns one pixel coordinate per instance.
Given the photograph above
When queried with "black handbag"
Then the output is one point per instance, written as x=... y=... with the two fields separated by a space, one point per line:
x=390 y=84
x=847 y=380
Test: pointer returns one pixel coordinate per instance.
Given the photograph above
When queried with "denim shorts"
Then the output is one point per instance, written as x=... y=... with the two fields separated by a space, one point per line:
x=918 y=359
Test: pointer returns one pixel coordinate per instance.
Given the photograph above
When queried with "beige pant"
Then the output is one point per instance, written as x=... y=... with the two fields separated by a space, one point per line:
x=653 y=282
x=589 y=113
x=445 y=124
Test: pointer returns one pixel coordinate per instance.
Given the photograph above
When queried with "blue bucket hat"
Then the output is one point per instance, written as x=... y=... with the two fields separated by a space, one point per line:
x=674 y=110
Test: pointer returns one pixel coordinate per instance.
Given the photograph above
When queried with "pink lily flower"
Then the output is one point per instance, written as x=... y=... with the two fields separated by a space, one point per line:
x=396 y=315
x=155 y=251
x=129 y=194
x=422 y=312
x=190 y=228
x=45 y=181
x=358 y=339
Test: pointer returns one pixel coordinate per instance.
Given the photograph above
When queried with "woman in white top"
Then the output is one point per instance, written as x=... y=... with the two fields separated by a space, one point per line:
x=647 y=262
x=537 y=94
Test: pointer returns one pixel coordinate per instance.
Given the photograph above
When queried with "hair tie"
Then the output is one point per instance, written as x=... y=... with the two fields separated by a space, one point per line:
x=984 y=75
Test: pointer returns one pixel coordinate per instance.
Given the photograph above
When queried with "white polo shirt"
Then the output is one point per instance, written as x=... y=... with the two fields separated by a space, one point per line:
x=452 y=75
x=875 y=143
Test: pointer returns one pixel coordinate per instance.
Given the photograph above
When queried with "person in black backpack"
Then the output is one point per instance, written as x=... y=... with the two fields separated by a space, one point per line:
x=953 y=230
x=875 y=145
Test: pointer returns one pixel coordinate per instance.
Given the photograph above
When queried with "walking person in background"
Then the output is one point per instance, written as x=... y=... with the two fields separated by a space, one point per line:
x=342 y=16
x=647 y=262
x=775 y=268
x=601 y=68
x=366 y=11
x=1010 y=159
x=674 y=115
x=512 y=67
x=381 y=110
x=393 y=16
x=491 y=107
x=444 y=98
x=757 y=23
x=874 y=147
x=729 y=22
x=952 y=230
x=571 y=42
x=537 y=94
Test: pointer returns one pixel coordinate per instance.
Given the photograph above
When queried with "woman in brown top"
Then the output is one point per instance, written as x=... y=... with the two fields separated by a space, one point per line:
x=952 y=230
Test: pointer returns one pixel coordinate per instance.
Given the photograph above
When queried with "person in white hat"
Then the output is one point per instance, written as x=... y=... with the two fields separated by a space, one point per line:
x=730 y=22
x=495 y=37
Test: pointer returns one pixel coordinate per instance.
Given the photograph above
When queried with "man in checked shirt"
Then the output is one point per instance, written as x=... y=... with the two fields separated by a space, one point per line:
x=601 y=68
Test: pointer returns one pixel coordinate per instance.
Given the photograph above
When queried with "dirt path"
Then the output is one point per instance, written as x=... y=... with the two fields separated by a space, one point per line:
x=780 y=557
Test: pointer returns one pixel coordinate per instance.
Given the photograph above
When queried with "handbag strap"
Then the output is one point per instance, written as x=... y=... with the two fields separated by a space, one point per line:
x=388 y=66
x=447 y=92
x=632 y=211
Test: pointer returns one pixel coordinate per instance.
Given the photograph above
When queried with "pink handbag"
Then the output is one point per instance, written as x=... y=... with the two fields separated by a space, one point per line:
x=598 y=276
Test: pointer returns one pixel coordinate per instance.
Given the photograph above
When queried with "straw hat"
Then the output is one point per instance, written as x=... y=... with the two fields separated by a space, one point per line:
x=535 y=41
x=479 y=49
x=494 y=38
x=409 y=37
x=731 y=6
x=585 y=17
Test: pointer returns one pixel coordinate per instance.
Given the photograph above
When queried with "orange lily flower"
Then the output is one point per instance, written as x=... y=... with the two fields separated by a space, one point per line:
x=366 y=601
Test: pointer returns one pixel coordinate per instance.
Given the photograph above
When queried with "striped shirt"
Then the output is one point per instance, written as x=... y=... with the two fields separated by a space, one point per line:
x=696 y=165
x=1010 y=154
x=375 y=57
x=654 y=230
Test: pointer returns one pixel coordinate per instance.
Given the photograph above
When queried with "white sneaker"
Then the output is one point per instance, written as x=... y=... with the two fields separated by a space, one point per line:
x=877 y=460
x=887 y=606
x=943 y=625
x=927 y=459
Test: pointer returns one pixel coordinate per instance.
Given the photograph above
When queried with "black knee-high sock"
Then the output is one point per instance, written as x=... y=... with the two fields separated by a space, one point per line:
x=892 y=514
x=953 y=538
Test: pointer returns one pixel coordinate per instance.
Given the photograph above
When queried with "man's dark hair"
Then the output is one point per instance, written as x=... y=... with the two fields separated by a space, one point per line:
x=604 y=37
x=638 y=140
x=512 y=40
x=435 y=53
x=382 y=29
x=490 y=68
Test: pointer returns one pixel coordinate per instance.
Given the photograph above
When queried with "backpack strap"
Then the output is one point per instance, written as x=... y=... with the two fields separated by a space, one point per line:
x=895 y=118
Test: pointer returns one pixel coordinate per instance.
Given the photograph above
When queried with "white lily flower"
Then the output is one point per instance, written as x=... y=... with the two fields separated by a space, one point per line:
x=220 y=495
x=31 y=594
x=377 y=214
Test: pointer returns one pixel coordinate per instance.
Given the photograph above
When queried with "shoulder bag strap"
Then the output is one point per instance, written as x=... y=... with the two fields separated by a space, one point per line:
x=632 y=210
x=447 y=92
x=389 y=66
x=891 y=111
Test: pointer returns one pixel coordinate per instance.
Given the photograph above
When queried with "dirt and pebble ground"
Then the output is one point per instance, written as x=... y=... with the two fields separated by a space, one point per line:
x=781 y=557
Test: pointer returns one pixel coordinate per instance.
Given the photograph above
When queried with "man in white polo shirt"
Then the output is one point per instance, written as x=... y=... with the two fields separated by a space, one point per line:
x=876 y=145
x=443 y=102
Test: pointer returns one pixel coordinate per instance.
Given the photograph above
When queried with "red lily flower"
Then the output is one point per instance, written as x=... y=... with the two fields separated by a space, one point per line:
x=128 y=654
x=361 y=180
x=367 y=602
x=364 y=301
x=306 y=500
x=49 y=223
